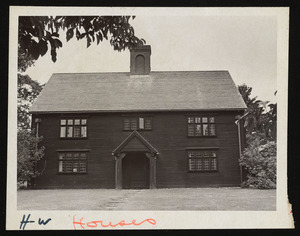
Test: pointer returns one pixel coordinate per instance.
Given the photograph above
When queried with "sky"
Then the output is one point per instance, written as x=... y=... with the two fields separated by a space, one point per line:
x=246 y=46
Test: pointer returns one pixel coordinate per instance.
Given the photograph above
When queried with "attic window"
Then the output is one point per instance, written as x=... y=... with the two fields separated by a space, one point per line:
x=201 y=126
x=73 y=128
x=137 y=123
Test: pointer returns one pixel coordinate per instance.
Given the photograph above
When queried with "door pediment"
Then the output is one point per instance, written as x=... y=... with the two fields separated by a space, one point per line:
x=135 y=142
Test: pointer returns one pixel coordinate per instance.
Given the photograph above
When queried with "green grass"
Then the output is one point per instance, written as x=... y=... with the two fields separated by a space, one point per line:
x=203 y=199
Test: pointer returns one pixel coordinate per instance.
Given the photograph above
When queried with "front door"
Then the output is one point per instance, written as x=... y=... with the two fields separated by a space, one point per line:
x=135 y=169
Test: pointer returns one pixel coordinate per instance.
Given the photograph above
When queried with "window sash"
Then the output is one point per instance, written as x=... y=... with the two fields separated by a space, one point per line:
x=202 y=161
x=201 y=126
x=72 y=162
x=140 y=123
x=73 y=128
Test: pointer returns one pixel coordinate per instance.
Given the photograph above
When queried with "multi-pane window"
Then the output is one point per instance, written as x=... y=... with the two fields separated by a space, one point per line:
x=202 y=160
x=72 y=162
x=137 y=123
x=73 y=128
x=201 y=126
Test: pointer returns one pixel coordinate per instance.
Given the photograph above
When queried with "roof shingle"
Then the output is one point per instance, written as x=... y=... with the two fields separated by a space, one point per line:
x=160 y=91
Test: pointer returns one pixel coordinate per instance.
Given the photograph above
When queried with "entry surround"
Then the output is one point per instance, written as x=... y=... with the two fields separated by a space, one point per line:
x=143 y=145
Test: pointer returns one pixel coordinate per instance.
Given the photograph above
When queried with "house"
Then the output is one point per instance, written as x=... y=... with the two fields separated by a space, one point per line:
x=139 y=129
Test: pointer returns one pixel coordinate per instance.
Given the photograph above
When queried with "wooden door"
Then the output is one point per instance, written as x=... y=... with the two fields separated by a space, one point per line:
x=135 y=169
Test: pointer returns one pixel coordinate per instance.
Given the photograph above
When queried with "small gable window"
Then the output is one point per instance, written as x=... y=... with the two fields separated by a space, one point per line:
x=73 y=128
x=201 y=161
x=201 y=126
x=72 y=162
x=137 y=123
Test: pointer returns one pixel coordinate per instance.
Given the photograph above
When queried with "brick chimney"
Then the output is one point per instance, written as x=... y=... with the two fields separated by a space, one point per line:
x=140 y=60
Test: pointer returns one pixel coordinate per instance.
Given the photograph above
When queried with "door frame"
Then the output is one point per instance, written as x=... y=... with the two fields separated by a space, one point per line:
x=119 y=175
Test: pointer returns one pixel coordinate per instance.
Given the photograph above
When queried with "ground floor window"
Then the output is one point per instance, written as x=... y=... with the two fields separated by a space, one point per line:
x=203 y=160
x=72 y=162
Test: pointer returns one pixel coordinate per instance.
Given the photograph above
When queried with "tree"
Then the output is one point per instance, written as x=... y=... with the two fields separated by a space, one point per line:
x=28 y=154
x=28 y=90
x=38 y=34
x=257 y=117
x=259 y=156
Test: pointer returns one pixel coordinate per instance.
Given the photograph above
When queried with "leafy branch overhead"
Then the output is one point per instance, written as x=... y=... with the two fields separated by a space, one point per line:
x=38 y=34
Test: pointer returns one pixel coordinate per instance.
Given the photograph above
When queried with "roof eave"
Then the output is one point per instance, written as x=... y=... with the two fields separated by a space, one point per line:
x=136 y=110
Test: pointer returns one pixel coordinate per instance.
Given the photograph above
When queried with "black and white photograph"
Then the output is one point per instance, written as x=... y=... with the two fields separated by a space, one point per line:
x=143 y=118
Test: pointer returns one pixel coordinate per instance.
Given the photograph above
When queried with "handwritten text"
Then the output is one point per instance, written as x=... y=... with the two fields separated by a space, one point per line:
x=100 y=223
x=24 y=222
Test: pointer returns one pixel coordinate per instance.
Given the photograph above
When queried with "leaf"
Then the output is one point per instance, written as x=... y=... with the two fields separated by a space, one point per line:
x=34 y=50
x=77 y=34
x=88 y=40
x=43 y=47
x=53 y=55
x=57 y=43
x=70 y=34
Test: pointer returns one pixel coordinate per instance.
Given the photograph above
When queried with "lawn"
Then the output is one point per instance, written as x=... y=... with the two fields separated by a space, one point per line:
x=203 y=199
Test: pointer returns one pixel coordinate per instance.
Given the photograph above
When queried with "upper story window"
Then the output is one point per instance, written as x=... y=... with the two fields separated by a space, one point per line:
x=201 y=126
x=203 y=160
x=137 y=123
x=73 y=128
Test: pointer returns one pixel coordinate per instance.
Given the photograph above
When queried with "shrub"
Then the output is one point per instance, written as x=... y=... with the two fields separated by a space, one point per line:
x=259 y=159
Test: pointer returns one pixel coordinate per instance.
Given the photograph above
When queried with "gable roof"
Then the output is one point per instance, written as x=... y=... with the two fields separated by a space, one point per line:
x=142 y=142
x=159 y=91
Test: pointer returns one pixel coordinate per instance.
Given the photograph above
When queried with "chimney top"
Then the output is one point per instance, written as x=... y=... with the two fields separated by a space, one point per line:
x=140 y=60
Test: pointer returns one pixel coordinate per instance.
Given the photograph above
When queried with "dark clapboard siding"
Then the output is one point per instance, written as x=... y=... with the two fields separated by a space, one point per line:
x=168 y=136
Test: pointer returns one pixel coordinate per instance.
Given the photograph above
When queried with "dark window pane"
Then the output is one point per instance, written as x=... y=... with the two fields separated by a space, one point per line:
x=70 y=132
x=133 y=124
x=61 y=156
x=198 y=131
x=126 y=124
x=190 y=119
x=69 y=156
x=82 y=167
x=76 y=131
x=148 y=123
x=191 y=130
x=197 y=119
x=199 y=165
x=206 y=164
x=192 y=164
x=213 y=164
x=205 y=129
x=191 y=154
x=83 y=131
x=68 y=167
x=198 y=154
x=212 y=130
x=83 y=155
